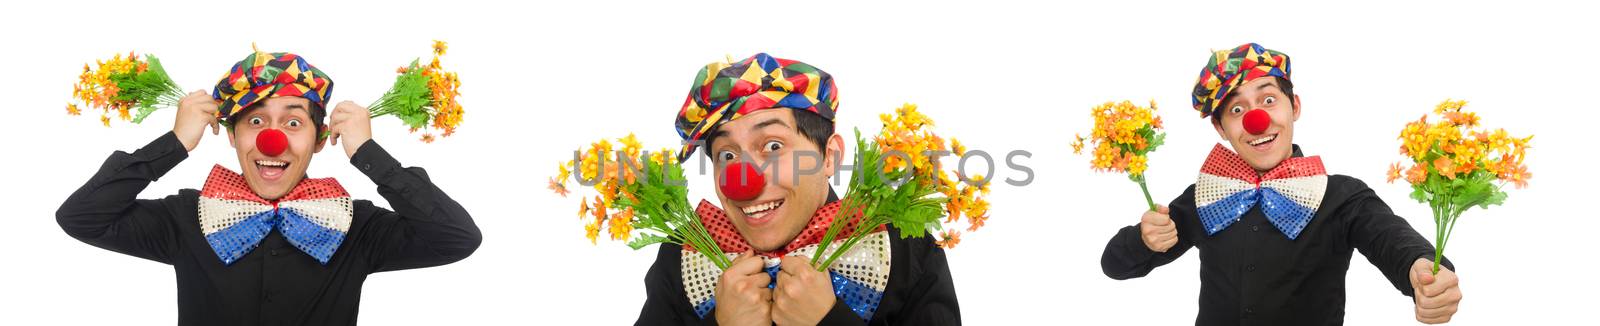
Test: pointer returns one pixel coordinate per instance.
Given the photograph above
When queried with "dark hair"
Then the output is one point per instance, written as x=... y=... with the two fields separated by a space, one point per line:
x=1283 y=85
x=809 y=124
x=317 y=113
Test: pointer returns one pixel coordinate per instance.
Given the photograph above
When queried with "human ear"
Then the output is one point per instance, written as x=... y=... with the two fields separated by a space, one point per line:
x=831 y=155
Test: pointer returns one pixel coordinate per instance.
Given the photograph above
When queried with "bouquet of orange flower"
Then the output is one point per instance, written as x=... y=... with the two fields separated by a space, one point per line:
x=132 y=86
x=1456 y=166
x=1123 y=136
x=637 y=191
x=896 y=182
x=423 y=97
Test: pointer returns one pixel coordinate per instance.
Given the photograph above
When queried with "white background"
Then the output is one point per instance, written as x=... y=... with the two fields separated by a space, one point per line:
x=543 y=79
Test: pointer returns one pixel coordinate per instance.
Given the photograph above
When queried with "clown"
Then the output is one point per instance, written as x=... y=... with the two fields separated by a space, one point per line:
x=767 y=124
x=268 y=245
x=1274 y=230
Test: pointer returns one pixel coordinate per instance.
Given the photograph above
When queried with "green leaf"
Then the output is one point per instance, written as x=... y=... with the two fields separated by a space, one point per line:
x=1418 y=194
x=645 y=240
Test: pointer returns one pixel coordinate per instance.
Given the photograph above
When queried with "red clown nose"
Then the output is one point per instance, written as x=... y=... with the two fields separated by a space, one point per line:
x=271 y=142
x=742 y=181
x=1256 y=121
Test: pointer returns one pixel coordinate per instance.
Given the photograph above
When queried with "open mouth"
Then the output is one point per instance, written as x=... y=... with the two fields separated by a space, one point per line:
x=271 y=169
x=1263 y=143
x=757 y=214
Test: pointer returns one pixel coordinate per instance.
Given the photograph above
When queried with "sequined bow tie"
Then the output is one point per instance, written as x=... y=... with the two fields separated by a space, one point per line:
x=1289 y=194
x=313 y=217
x=859 y=276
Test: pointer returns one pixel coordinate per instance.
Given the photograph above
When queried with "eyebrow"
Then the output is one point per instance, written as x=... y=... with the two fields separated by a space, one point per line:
x=763 y=124
x=295 y=106
x=769 y=122
x=1264 y=85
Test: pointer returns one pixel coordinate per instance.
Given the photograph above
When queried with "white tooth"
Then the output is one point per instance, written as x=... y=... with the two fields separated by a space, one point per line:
x=1263 y=140
x=761 y=208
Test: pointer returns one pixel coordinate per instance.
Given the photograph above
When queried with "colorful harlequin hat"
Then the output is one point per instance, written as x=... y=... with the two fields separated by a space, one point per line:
x=263 y=75
x=724 y=91
x=1230 y=68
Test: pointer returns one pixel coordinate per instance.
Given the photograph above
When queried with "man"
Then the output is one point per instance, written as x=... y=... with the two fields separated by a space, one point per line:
x=1281 y=262
x=269 y=246
x=778 y=114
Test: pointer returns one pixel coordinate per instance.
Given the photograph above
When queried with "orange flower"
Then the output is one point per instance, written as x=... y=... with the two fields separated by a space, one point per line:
x=599 y=209
x=1394 y=172
x=1445 y=167
x=1518 y=175
x=977 y=222
x=558 y=187
x=1417 y=174
x=950 y=239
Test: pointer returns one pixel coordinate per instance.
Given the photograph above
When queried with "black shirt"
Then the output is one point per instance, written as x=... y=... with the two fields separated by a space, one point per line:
x=274 y=284
x=1252 y=274
x=919 y=291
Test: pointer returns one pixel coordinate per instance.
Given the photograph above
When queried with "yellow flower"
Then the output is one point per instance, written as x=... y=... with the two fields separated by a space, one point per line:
x=592 y=231
x=977 y=213
x=981 y=183
x=1077 y=145
x=1137 y=164
x=1449 y=106
x=583 y=208
x=630 y=146
x=564 y=172
x=1414 y=139
x=439 y=47
x=660 y=157
x=622 y=224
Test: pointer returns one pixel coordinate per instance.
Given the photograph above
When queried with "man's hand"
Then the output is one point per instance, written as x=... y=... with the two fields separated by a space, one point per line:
x=351 y=122
x=1436 y=295
x=742 y=295
x=1157 y=230
x=195 y=111
x=803 y=295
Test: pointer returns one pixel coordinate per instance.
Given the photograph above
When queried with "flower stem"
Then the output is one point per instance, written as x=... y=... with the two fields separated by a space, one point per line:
x=1146 y=190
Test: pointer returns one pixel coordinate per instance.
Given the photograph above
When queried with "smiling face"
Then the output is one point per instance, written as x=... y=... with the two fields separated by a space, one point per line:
x=1273 y=145
x=771 y=140
x=271 y=177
